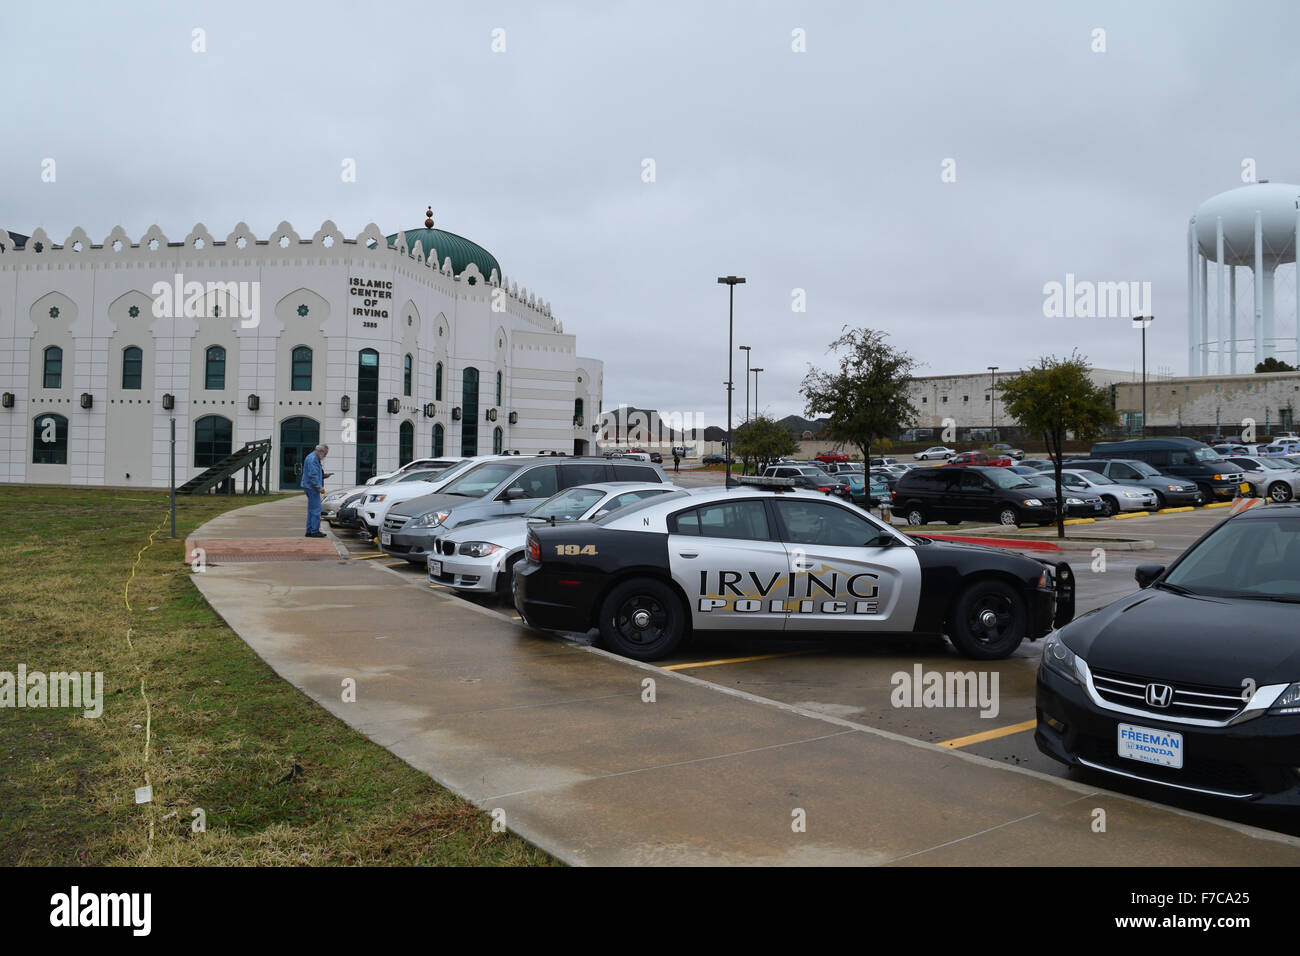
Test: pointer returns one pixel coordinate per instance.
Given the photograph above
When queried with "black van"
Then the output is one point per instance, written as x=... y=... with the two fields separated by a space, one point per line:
x=1186 y=458
x=957 y=493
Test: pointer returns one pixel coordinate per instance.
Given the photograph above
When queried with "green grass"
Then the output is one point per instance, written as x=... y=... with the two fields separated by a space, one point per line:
x=223 y=729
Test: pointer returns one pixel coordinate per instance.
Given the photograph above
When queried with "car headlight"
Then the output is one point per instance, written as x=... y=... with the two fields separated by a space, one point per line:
x=335 y=496
x=478 y=549
x=1061 y=660
x=1288 y=702
x=377 y=498
x=1074 y=501
x=1033 y=502
x=1176 y=488
x=1134 y=494
x=430 y=519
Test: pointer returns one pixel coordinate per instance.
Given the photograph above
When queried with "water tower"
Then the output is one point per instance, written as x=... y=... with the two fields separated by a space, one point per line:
x=1255 y=226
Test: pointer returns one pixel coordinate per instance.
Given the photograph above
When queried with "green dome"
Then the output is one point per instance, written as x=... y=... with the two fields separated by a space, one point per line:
x=461 y=250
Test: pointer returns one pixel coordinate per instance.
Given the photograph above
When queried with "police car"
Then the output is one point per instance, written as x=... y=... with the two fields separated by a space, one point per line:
x=766 y=559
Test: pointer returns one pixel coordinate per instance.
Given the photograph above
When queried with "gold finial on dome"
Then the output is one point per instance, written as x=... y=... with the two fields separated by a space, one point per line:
x=428 y=221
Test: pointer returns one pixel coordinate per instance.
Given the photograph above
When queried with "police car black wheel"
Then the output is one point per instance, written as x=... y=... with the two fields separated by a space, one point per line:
x=642 y=619
x=988 y=621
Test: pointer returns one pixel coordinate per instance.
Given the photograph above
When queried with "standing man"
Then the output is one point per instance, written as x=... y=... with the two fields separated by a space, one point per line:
x=677 y=462
x=313 y=481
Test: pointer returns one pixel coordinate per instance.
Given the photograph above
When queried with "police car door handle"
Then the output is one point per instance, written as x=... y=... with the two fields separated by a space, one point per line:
x=688 y=554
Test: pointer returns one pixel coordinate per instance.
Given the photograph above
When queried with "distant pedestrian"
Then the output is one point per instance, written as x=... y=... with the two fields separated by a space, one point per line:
x=677 y=463
x=313 y=482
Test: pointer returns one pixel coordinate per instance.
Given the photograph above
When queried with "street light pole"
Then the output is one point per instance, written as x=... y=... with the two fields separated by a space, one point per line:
x=756 y=371
x=1144 y=321
x=993 y=398
x=745 y=349
x=731 y=282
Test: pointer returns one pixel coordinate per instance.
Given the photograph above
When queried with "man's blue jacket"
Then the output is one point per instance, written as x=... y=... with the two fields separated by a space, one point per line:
x=313 y=475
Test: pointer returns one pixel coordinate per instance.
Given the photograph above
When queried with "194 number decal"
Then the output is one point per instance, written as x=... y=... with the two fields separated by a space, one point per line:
x=572 y=549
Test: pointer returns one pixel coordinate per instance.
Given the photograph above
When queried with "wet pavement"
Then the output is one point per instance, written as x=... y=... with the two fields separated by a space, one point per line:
x=742 y=741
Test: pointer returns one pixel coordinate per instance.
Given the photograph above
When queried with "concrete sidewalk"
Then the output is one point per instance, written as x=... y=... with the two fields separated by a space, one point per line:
x=271 y=531
x=562 y=738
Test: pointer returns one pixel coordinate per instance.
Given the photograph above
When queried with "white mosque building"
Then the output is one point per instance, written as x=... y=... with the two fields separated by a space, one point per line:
x=386 y=348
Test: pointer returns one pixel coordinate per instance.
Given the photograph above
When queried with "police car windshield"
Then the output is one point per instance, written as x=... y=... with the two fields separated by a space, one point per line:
x=568 y=505
x=636 y=506
x=478 y=481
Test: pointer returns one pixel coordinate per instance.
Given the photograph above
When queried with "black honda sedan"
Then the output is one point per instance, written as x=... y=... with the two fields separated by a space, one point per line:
x=1192 y=682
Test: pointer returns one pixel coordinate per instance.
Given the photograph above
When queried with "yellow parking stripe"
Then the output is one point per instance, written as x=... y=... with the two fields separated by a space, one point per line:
x=731 y=660
x=1218 y=504
x=989 y=735
x=1079 y=521
x=1174 y=511
x=367 y=557
x=1131 y=514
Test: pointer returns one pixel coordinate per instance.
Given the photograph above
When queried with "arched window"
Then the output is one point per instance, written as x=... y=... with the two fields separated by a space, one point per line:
x=49 y=440
x=438 y=440
x=132 y=367
x=212 y=440
x=496 y=441
x=405 y=444
x=300 y=373
x=406 y=374
x=498 y=389
x=53 y=367
x=437 y=383
x=214 y=368
x=577 y=411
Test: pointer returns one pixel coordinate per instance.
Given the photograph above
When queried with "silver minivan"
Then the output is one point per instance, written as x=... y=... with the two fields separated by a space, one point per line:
x=497 y=488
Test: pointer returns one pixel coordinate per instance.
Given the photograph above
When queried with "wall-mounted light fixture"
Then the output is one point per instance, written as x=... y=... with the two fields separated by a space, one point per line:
x=455 y=414
x=87 y=400
x=345 y=403
x=491 y=414
x=169 y=401
x=514 y=418
x=7 y=399
x=254 y=403
x=430 y=410
x=394 y=406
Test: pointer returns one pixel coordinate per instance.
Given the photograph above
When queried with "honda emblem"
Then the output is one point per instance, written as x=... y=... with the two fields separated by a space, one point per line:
x=1159 y=695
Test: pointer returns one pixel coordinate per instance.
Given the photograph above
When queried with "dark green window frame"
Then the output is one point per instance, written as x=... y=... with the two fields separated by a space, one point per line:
x=214 y=368
x=300 y=373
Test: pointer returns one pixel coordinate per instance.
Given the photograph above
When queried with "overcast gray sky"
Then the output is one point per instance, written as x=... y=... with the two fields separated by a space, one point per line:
x=817 y=170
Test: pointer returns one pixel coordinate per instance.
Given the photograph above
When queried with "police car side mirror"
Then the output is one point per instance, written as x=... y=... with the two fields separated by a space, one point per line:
x=1146 y=574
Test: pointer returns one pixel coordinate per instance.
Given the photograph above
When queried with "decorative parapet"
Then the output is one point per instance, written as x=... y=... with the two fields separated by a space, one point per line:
x=118 y=248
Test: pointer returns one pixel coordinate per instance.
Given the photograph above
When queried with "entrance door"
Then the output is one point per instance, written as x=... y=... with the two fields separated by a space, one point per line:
x=298 y=437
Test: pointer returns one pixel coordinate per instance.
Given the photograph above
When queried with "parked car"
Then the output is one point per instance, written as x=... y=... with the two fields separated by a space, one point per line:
x=972 y=493
x=497 y=488
x=1007 y=451
x=832 y=456
x=882 y=461
x=1038 y=464
x=1181 y=457
x=1115 y=496
x=419 y=464
x=1078 y=504
x=936 y=451
x=1232 y=449
x=1190 y=682
x=979 y=458
x=1279 y=449
x=1274 y=478
x=806 y=476
x=716 y=460
x=379 y=501
x=480 y=557
x=1171 y=492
